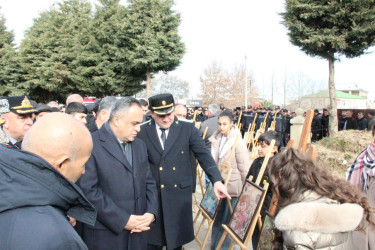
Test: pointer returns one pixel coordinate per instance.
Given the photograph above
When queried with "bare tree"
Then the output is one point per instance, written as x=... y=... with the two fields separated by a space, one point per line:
x=172 y=84
x=226 y=87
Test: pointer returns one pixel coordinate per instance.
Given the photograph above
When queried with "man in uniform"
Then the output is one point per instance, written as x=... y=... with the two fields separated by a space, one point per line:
x=16 y=113
x=247 y=119
x=169 y=142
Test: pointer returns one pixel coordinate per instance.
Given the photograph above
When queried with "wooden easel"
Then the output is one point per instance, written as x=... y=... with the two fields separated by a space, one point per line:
x=228 y=231
x=239 y=121
x=225 y=170
x=305 y=135
x=249 y=135
x=273 y=123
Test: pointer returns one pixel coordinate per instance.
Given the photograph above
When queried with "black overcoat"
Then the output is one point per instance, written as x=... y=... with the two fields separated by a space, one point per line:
x=117 y=190
x=171 y=169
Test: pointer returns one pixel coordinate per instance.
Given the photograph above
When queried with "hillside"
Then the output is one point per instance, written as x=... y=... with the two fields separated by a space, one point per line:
x=339 y=152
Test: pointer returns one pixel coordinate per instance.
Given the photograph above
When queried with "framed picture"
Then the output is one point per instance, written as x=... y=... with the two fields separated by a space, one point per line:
x=246 y=207
x=210 y=203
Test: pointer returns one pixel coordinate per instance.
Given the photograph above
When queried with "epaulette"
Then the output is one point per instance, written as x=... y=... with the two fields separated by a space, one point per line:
x=146 y=122
x=185 y=120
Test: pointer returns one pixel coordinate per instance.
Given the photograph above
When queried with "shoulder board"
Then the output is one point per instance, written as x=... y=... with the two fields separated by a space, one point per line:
x=184 y=120
x=146 y=122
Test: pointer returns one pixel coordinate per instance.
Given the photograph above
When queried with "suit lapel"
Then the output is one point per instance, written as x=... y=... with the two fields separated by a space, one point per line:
x=154 y=138
x=111 y=145
x=174 y=130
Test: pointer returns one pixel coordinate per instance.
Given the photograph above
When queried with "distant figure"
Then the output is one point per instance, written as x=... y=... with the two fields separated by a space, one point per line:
x=74 y=98
x=37 y=186
x=316 y=126
x=362 y=121
x=78 y=111
x=350 y=122
x=180 y=111
x=42 y=110
x=53 y=104
x=325 y=123
x=342 y=120
x=104 y=110
x=211 y=123
x=371 y=120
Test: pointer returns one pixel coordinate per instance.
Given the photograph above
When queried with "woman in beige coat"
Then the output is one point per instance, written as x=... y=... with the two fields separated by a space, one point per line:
x=315 y=210
x=222 y=142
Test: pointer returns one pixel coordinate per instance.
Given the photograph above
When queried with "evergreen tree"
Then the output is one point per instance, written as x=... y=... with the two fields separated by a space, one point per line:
x=152 y=36
x=51 y=48
x=10 y=69
x=330 y=29
x=111 y=73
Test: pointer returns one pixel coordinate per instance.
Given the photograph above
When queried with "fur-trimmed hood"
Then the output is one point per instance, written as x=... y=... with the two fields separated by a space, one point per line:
x=319 y=214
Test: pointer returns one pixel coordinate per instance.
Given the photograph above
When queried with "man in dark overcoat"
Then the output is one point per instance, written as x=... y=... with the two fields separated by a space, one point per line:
x=118 y=182
x=169 y=142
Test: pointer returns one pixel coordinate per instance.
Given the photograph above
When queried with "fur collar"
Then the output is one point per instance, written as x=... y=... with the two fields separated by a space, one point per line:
x=217 y=137
x=319 y=216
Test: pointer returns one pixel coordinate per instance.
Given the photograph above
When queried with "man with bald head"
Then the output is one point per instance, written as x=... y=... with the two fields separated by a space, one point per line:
x=37 y=186
x=74 y=98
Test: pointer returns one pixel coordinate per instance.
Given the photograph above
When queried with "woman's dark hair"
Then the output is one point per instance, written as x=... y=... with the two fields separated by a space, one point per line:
x=227 y=114
x=292 y=173
x=268 y=136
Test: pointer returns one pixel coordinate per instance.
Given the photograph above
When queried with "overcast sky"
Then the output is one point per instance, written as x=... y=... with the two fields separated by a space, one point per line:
x=225 y=31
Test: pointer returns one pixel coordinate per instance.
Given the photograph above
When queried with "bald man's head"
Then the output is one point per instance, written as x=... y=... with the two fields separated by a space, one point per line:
x=62 y=141
x=74 y=98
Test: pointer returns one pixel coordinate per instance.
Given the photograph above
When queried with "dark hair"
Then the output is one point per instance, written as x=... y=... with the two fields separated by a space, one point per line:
x=372 y=113
x=268 y=136
x=95 y=107
x=227 y=114
x=143 y=102
x=293 y=173
x=76 y=107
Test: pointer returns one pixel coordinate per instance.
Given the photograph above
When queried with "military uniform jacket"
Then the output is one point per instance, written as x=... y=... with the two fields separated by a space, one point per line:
x=171 y=169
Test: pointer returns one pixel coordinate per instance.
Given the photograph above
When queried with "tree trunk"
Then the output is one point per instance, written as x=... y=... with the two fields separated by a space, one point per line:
x=148 y=84
x=332 y=97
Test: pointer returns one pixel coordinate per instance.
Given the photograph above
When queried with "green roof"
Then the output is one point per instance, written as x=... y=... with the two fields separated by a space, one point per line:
x=339 y=94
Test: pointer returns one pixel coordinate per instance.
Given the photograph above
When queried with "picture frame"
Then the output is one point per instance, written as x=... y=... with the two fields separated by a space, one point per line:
x=248 y=203
x=210 y=204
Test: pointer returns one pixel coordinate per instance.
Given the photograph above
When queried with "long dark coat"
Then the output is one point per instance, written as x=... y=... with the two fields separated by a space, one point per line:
x=171 y=169
x=117 y=190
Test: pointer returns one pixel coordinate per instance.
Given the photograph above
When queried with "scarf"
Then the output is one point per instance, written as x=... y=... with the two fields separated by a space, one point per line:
x=359 y=173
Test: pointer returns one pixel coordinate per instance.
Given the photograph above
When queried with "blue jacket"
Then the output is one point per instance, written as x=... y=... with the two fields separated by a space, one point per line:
x=34 y=202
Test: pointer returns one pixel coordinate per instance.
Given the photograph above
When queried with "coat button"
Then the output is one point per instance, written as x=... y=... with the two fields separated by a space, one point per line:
x=162 y=186
x=174 y=168
x=160 y=168
x=175 y=185
x=182 y=152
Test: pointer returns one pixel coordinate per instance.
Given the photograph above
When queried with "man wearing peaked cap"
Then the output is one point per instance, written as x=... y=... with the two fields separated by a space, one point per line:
x=169 y=143
x=16 y=113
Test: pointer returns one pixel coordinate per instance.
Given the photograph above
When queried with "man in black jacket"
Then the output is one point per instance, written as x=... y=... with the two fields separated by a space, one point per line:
x=37 y=186
x=351 y=122
x=316 y=126
x=362 y=121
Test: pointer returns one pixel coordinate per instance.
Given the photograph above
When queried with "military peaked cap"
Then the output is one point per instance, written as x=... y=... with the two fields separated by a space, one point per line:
x=162 y=104
x=19 y=105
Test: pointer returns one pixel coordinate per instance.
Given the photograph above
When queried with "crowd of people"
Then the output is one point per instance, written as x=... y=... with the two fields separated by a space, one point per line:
x=119 y=174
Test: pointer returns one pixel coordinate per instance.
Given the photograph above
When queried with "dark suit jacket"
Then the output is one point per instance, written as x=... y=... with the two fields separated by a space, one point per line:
x=117 y=191
x=171 y=169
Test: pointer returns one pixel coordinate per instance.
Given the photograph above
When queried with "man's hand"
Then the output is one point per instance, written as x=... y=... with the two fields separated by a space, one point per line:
x=221 y=190
x=134 y=221
x=72 y=221
x=144 y=226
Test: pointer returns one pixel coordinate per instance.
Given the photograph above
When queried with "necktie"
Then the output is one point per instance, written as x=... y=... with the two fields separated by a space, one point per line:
x=163 y=136
x=127 y=152
x=18 y=144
